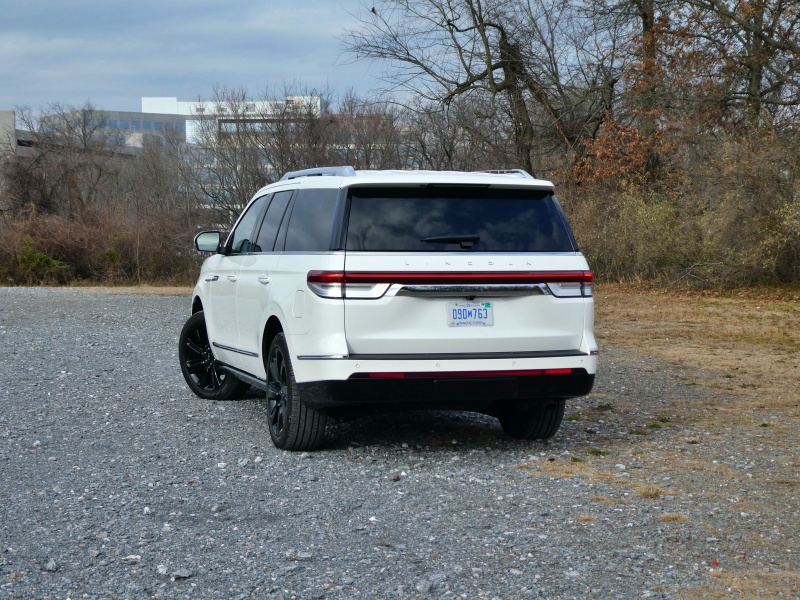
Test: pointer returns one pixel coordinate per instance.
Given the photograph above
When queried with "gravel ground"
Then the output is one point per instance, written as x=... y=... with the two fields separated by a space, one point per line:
x=118 y=483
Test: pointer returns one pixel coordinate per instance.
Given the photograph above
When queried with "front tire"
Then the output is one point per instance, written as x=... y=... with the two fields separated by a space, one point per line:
x=532 y=420
x=199 y=367
x=292 y=424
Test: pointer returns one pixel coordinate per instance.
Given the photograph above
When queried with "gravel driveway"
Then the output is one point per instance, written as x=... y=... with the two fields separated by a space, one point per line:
x=118 y=483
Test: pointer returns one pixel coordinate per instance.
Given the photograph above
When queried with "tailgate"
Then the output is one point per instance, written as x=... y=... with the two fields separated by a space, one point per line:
x=440 y=304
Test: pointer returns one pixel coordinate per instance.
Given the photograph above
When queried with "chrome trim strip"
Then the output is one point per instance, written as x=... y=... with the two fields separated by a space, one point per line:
x=460 y=291
x=237 y=350
x=323 y=357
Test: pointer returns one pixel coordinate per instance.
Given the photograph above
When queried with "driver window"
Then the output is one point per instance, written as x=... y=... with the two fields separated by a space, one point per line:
x=241 y=238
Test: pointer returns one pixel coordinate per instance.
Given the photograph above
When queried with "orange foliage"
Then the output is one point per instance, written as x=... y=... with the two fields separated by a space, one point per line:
x=619 y=155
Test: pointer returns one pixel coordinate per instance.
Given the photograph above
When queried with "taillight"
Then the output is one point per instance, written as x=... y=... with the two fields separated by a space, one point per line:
x=327 y=284
x=581 y=286
x=371 y=285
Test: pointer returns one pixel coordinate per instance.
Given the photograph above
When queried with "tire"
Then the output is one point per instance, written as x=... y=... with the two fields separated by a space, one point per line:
x=200 y=368
x=533 y=420
x=292 y=424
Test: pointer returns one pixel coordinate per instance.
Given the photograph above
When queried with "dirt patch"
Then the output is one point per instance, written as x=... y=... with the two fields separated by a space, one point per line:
x=739 y=454
x=748 y=346
x=146 y=290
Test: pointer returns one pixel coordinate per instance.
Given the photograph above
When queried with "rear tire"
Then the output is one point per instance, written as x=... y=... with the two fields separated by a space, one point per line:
x=292 y=424
x=532 y=420
x=200 y=368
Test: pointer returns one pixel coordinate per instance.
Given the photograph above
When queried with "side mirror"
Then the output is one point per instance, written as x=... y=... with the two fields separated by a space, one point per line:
x=207 y=241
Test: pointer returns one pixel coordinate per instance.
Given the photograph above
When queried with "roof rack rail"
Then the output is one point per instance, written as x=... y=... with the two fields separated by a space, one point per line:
x=517 y=172
x=320 y=171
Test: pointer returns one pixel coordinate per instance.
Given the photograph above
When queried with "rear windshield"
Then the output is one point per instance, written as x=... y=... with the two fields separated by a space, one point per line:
x=456 y=220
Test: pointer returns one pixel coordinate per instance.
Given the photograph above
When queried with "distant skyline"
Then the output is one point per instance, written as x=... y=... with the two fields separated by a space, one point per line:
x=113 y=53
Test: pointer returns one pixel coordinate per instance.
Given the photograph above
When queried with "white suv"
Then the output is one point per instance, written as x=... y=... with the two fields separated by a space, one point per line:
x=340 y=289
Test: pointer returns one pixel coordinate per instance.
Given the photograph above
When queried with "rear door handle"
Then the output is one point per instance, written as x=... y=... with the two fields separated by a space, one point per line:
x=211 y=277
x=264 y=279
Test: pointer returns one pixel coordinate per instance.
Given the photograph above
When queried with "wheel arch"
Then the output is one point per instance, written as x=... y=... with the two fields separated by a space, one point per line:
x=271 y=329
x=197 y=304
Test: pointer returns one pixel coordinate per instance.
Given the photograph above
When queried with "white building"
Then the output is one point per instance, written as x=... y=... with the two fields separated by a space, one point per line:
x=198 y=110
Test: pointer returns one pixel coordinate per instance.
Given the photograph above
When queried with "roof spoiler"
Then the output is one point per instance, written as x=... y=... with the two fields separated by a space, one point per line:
x=320 y=172
x=517 y=172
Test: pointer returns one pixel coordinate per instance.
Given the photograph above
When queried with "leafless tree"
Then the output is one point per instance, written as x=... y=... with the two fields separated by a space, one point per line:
x=539 y=60
x=757 y=45
x=367 y=134
x=227 y=157
x=71 y=160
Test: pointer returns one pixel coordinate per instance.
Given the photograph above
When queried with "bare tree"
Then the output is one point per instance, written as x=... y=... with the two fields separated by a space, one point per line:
x=458 y=136
x=227 y=156
x=72 y=158
x=757 y=43
x=296 y=130
x=367 y=134
x=526 y=57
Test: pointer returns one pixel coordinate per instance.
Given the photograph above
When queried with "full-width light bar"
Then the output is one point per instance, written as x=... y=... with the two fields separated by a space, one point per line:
x=373 y=284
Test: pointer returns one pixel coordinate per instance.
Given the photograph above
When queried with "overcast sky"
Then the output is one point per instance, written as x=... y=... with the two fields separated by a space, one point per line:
x=113 y=52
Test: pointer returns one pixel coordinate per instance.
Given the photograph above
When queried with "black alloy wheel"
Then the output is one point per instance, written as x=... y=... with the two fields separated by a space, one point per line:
x=277 y=392
x=292 y=424
x=199 y=367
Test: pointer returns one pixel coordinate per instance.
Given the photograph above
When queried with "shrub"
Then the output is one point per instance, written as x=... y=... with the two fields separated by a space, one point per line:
x=36 y=267
x=724 y=211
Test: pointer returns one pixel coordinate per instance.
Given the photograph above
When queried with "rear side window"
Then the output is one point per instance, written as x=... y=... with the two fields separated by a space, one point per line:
x=311 y=222
x=269 y=228
x=456 y=220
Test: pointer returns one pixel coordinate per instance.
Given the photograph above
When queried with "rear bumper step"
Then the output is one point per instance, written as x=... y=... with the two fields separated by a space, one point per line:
x=459 y=393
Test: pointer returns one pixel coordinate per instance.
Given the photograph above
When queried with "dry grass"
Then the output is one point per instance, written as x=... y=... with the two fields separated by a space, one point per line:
x=145 y=290
x=607 y=500
x=673 y=518
x=745 y=349
x=647 y=490
x=751 y=343
x=750 y=584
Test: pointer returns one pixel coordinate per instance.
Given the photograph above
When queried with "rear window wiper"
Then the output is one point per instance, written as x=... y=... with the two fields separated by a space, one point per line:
x=466 y=241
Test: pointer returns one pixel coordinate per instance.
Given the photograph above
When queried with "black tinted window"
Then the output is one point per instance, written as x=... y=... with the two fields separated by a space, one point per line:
x=272 y=220
x=311 y=223
x=456 y=219
x=241 y=239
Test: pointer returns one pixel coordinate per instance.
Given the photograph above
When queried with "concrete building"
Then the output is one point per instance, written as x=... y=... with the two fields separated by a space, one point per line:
x=13 y=141
x=129 y=128
x=8 y=133
x=225 y=112
x=165 y=117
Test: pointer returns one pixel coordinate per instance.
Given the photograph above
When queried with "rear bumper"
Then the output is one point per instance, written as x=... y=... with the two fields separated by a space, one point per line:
x=343 y=368
x=462 y=393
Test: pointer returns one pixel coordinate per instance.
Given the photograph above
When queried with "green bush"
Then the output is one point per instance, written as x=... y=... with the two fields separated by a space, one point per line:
x=36 y=267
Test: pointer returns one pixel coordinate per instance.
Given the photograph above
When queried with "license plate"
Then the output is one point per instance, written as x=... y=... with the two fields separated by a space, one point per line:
x=470 y=314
